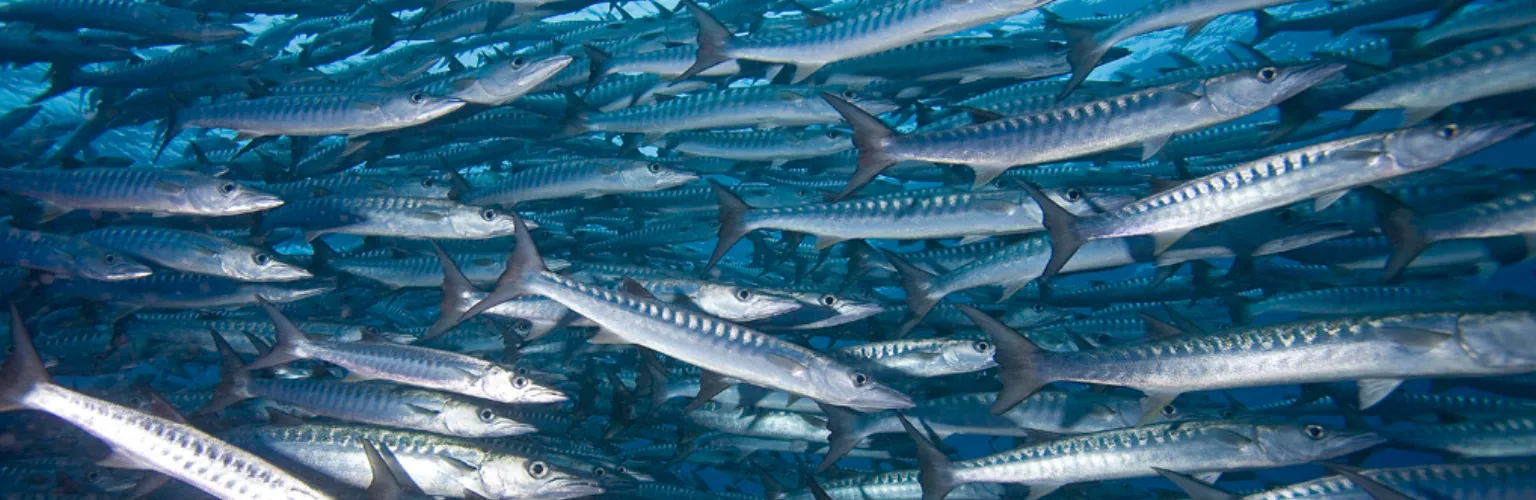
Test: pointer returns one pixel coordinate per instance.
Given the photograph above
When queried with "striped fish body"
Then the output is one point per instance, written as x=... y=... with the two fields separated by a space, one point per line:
x=1507 y=437
x=1487 y=18
x=194 y=252
x=925 y=358
x=1020 y=263
x=924 y=217
x=390 y=406
x=114 y=15
x=175 y=449
x=141 y=190
x=589 y=178
x=770 y=146
x=391 y=216
x=66 y=256
x=898 y=484
x=1507 y=216
x=668 y=63
x=359 y=186
x=1501 y=67
x=348 y=113
x=1483 y=481
x=763 y=106
x=171 y=290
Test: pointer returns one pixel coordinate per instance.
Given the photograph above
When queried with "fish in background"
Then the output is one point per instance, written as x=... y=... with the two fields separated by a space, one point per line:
x=822 y=249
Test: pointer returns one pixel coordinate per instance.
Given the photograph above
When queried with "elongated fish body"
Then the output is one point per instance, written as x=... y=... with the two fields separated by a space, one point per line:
x=1146 y=117
x=501 y=82
x=584 y=178
x=770 y=146
x=1340 y=18
x=897 y=484
x=924 y=358
x=1018 y=264
x=481 y=268
x=764 y=107
x=410 y=365
x=139 y=190
x=192 y=332
x=774 y=424
x=1475 y=20
x=1506 y=216
x=668 y=63
x=348 y=113
x=1192 y=447
x=1501 y=67
x=923 y=217
x=141 y=440
x=1492 y=438
x=1369 y=300
x=439 y=465
x=1380 y=351
x=66 y=256
x=360 y=186
x=1496 y=480
x=876 y=30
x=194 y=252
x=1323 y=171
x=172 y=290
x=388 y=405
x=725 y=300
x=124 y=16
x=404 y=217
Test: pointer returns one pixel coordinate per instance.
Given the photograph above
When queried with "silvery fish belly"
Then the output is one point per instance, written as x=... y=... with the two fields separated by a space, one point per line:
x=821 y=249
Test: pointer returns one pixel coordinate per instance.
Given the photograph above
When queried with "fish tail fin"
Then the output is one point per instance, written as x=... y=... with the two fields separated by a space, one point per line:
x=1062 y=226
x=600 y=62
x=1084 y=50
x=869 y=135
x=714 y=39
x=844 y=433
x=382 y=29
x=522 y=266
x=1240 y=308
x=290 y=344
x=1264 y=22
x=1018 y=360
x=23 y=370
x=60 y=80
x=456 y=290
x=916 y=283
x=934 y=471
x=1400 y=225
x=234 y=379
x=733 y=222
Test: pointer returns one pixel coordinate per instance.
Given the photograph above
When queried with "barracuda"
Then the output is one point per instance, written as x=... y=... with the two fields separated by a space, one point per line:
x=585 y=178
x=1377 y=351
x=375 y=358
x=1484 y=480
x=763 y=107
x=403 y=217
x=140 y=440
x=875 y=30
x=501 y=82
x=1145 y=117
x=351 y=113
x=194 y=252
x=1324 y=172
x=1412 y=235
x=65 y=256
x=1504 y=66
x=135 y=190
x=715 y=345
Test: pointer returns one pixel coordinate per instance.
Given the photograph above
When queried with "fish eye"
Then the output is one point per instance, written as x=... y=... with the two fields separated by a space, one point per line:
x=488 y=214
x=418 y=97
x=1038 y=308
x=110 y=259
x=1315 y=431
x=834 y=134
x=538 y=470
x=982 y=346
x=486 y=415
x=520 y=382
x=599 y=472
x=743 y=294
x=654 y=168
x=518 y=62
x=1448 y=131
x=261 y=259
x=522 y=327
x=849 y=94
x=228 y=188
x=828 y=300
x=860 y=380
x=1074 y=194
x=802 y=192
x=93 y=476
x=426 y=183
x=1169 y=411
x=1225 y=413
x=1267 y=75
x=522 y=371
x=1285 y=216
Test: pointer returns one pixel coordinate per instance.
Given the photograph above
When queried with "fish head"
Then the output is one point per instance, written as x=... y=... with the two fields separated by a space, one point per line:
x=251 y=264
x=1420 y=148
x=104 y=479
x=1301 y=443
x=1502 y=340
x=844 y=386
x=1247 y=91
x=479 y=420
x=501 y=384
x=738 y=303
x=484 y=222
x=103 y=265
x=506 y=476
x=213 y=195
x=1034 y=314
x=653 y=176
x=418 y=107
x=425 y=187
x=968 y=355
x=216 y=32
x=519 y=75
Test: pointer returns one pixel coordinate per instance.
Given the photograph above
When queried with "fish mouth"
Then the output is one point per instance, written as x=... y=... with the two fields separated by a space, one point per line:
x=285 y=272
x=1356 y=442
x=544 y=395
x=256 y=201
x=128 y=273
x=570 y=487
x=1495 y=132
x=1308 y=75
x=510 y=428
x=883 y=398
